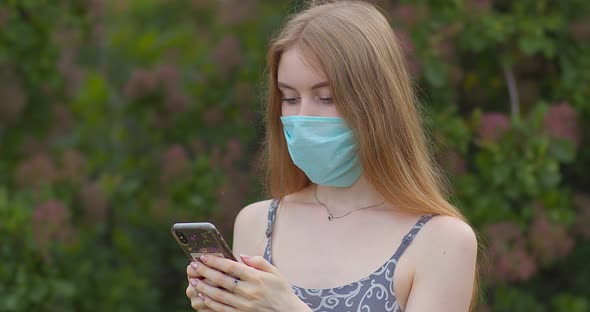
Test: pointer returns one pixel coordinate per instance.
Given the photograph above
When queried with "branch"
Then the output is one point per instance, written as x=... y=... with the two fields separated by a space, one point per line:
x=512 y=91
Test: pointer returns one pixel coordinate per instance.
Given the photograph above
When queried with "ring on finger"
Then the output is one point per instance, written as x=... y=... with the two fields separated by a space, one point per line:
x=235 y=283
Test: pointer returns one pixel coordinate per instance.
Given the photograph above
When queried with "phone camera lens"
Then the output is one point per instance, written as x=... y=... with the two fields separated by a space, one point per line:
x=181 y=237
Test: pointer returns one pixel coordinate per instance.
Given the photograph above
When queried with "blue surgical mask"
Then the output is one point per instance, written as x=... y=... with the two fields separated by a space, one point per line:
x=324 y=148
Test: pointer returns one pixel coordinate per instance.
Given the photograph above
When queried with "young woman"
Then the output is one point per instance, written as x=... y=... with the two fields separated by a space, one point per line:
x=359 y=220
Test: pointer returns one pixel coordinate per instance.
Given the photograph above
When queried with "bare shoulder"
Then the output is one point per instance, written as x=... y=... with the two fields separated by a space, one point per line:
x=253 y=214
x=249 y=229
x=445 y=266
x=446 y=238
x=449 y=232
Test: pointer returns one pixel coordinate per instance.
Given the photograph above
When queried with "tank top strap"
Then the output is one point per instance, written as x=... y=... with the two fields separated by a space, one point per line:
x=272 y=214
x=408 y=238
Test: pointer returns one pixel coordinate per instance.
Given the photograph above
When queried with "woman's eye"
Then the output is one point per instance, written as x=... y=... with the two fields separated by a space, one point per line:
x=326 y=100
x=290 y=100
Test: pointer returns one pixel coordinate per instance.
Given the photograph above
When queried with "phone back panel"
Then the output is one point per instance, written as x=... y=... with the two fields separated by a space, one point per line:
x=201 y=238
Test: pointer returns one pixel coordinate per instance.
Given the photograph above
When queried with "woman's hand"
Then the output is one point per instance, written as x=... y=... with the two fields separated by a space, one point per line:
x=259 y=287
x=195 y=297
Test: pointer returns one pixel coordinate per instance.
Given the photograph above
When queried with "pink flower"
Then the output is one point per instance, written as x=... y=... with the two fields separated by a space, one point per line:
x=445 y=48
x=67 y=66
x=453 y=162
x=507 y=256
x=169 y=75
x=409 y=14
x=141 y=83
x=50 y=224
x=549 y=240
x=492 y=126
x=175 y=164
x=176 y=101
x=443 y=41
x=96 y=11
x=522 y=265
x=561 y=121
x=36 y=171
x=407 y=47
x=236 y=11
x=405 y=41
x=227 y=55
x=73 y=166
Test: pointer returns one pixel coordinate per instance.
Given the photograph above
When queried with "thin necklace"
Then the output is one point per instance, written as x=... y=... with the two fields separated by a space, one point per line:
x=330 y=215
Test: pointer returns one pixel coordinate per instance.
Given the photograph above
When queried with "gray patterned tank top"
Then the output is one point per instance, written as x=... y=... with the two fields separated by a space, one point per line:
x=373 y=293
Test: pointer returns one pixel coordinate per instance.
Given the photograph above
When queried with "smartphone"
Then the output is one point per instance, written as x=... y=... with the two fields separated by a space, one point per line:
x=200 y=238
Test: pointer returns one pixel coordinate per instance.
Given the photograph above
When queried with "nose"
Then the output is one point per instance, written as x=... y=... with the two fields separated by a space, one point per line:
x=307 y=107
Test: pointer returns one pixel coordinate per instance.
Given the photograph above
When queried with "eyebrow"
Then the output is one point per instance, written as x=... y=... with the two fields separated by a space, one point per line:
x=315 y=86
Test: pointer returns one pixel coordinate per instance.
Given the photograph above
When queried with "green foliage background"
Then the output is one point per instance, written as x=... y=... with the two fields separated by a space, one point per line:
x=118 y=118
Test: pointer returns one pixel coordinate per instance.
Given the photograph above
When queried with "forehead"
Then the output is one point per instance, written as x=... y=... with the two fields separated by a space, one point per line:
x=296 y=71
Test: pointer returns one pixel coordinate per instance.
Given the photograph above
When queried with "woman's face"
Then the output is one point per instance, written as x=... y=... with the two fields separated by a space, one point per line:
x=304 y=91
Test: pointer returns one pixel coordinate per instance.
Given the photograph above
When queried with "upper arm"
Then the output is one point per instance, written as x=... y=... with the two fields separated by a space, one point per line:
x=445 y=271
x=249 y=229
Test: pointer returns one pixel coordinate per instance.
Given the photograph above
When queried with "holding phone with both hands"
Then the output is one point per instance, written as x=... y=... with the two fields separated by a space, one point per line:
x=200 y=238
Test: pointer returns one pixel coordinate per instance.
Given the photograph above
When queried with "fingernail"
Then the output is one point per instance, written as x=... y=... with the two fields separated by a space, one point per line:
x=203 y=258
x=201 y=296
x=194 y=282
x=244 y=256
x=194 y=265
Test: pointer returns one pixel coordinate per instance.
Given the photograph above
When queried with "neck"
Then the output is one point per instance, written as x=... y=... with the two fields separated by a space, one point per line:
x=341 y=200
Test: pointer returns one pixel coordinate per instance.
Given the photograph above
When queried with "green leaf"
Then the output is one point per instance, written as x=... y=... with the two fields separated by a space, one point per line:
x=562 y=150
x=565 y=302
x=436 y=73
x=91 y=104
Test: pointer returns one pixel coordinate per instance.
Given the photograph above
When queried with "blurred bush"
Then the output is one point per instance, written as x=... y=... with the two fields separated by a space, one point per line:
x=505 y=86
x=118 y=118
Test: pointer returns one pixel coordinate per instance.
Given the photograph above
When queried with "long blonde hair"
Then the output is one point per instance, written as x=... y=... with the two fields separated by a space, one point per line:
x=355 y=46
